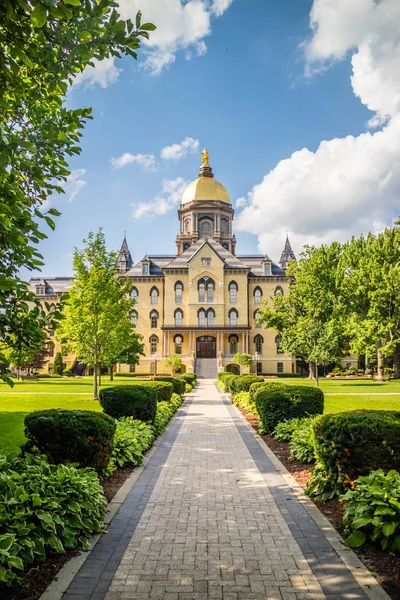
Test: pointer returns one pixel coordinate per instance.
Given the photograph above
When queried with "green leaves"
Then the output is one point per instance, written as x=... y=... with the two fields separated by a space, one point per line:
x=39 y=15
x=356 y=539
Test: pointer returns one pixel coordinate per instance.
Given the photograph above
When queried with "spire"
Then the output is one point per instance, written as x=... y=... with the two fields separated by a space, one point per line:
x=205 y=169
x=125 y=261
x=287 y=254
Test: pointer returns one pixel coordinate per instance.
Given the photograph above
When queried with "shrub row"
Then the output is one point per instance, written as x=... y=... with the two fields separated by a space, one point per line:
x=178 y=384
x=165 y=411
x=137 y=401
x=242 y=399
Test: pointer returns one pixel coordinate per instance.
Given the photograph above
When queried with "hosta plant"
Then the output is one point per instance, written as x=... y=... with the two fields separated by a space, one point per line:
x=44 y=507
x=132 y=439
x=242 y=399
x=373 y=510
x=302 y=443
x=284 y=430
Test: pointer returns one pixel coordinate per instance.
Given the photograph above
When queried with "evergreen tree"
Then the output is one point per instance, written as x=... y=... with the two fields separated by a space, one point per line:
x=58 y=367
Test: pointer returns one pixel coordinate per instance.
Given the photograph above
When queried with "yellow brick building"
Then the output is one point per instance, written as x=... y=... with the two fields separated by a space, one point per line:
x=203 y=301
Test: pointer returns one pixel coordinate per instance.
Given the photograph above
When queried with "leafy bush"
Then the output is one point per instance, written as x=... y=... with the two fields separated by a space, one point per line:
x=68 y=373
x=44 y=508
x=354 y=443
x=242 y=383
x=338 y=370
x=321 y=485
x=284 y=430
x=79 y=436
x=164 y=389
x=369 y=371
x=302 y=443
x=256 y=387
x=286 y=402
x=178 y=384
x=242 y=399
x=225 y=383
x=373 y=510
x=165 y=412
x=388 y=371
x=137 y=401
x=133 y=374
x=223 y=374
x=58 y=366
x=132 y=439
x=188 y=388
x=351 y=371
x=189 y=378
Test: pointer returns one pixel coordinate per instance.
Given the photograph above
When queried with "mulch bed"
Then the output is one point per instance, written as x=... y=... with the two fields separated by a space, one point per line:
x=385 y=568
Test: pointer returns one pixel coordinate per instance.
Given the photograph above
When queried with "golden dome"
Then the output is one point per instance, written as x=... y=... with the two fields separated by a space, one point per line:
x=205 y=187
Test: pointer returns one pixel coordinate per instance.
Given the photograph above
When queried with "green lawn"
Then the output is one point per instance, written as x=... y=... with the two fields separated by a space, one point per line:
x=26 y=397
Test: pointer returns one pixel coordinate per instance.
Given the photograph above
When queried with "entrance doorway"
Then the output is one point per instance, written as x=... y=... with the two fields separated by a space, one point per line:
x=206 y=347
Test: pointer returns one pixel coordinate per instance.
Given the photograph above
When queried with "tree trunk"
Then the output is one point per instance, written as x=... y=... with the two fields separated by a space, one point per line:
x=380 y=371
x=95 y=387
x=316 y=375
x=311 y=366
x=396 y=362
x=112 y=373
x=99 y=372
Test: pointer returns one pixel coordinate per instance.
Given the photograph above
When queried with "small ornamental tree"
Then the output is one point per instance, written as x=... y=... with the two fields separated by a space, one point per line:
x=174 y=362
x=241 y=359
x=58 y=367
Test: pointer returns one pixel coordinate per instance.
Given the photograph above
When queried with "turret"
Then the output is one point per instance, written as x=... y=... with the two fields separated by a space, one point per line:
x=287 y=255
x=125 y=261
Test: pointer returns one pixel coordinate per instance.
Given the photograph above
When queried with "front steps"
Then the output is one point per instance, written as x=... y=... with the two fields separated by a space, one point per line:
x=206 y=368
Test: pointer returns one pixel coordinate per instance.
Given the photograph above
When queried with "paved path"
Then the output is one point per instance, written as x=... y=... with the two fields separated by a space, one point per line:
x=211 y=517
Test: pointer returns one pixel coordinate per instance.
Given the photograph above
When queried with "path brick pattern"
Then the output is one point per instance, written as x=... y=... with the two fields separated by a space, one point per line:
x=211 y=527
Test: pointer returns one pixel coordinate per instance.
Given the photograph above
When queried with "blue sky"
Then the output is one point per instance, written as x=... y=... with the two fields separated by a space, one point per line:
x=250 y=99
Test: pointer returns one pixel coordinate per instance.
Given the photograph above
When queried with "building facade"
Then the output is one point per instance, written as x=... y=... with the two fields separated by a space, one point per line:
x=202 y=302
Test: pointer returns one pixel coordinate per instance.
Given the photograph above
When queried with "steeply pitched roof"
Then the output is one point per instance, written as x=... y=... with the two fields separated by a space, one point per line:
x=53 y=285
x=256 y=266
x=230 y=261
x=287 y=254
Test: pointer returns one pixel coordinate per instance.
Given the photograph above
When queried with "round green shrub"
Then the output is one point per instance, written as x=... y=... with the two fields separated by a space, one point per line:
x=178 y=385
x=354 y=443
x=242 y=383
x=255 y=387
x=189 y=378
x=164 y=389
x=79 y=436
x=137 y=401
x=188 y=388
x=276 y=404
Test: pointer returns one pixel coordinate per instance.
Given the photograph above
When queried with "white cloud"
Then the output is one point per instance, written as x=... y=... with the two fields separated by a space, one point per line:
x=104 y=73
x=147 y=161
x=348 y=185
x=241 y=202
x=178 y=151
x=170 y=196
x=74 y=183
x=181 y=25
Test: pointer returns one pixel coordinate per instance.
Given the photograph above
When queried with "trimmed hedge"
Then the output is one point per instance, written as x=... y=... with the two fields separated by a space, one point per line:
x=79 y=436
x=164 y=389
x=137 y=401
x=242 y=383
x=225 y=383
x=270 y=385
x=279 y=402
x=354 y=443
x=189 y=378
x=177 y=383
x=133 y=374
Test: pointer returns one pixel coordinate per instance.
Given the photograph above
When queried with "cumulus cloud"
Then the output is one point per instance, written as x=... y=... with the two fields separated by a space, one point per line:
x=171 y=195
x=348 y=185
x=74 y=183
x=178 y=151
x=146 y=161
x=104 y=73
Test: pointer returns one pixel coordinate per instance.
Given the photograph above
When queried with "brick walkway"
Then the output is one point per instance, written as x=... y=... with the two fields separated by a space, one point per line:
x=211 y=517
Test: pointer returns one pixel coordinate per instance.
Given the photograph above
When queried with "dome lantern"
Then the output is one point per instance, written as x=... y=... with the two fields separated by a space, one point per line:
x=206 y=187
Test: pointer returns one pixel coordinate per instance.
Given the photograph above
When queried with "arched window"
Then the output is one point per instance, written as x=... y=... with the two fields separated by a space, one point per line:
x=278 y=342
x=279 y=367
x=134 y=294
x=257 y=295
x=233 y=317
x=134 y=317
x=210 y=291
x=233 y=288
x=187 y=225
x=210 y=317
x=205 y=228
x=52 y=307
x=178 y=344
x=233 y=344
x=153 y=344
x=154 y=319
x=257 y=315
x=278 y=290
x=201 y=317
x=178 y=291
x=206 y=285
x=224 y=226
x=178 y=318
x=154 y=295
x=258 y=341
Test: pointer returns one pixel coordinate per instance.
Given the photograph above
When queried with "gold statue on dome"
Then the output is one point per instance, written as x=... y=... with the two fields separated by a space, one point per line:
x=205 y=157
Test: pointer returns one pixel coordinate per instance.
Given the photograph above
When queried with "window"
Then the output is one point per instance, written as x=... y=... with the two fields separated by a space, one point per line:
x=154 y=295
x=202 y=292
x=50 y=349
x=224 y=226
x=186 y=246
x=178 y=291
x=259 y=368
x=206 y=262
x=40 y=290
x=178 y=318
x=205 y=228
x=278 y=342
x=279 y=367
x=233 y=317
x=210 y=317
x=153 y=344
x=134 y=294
x=206 y=284
x=258 y=341
x=257 y=295
x=154 y=319
x=267 y=268
x=52 y=307
x=210 y=292
x=233 y=292
x=233 y=344
x=51 y=332
x=187 y=225
x=178 y=344
x=202 y=318
x=145 y=269
x=153 y=368
x=134 y=318
x=257 y=315
x=132 y=368
x=278 y=291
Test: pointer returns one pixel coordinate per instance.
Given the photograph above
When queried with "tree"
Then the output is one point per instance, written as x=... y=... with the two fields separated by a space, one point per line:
x=241 y=359
x=43 y=45
x=97 y=326
x=174 y=362
x=38 y=361
x=128 y=355
x=309 y=317
x=58 y=367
